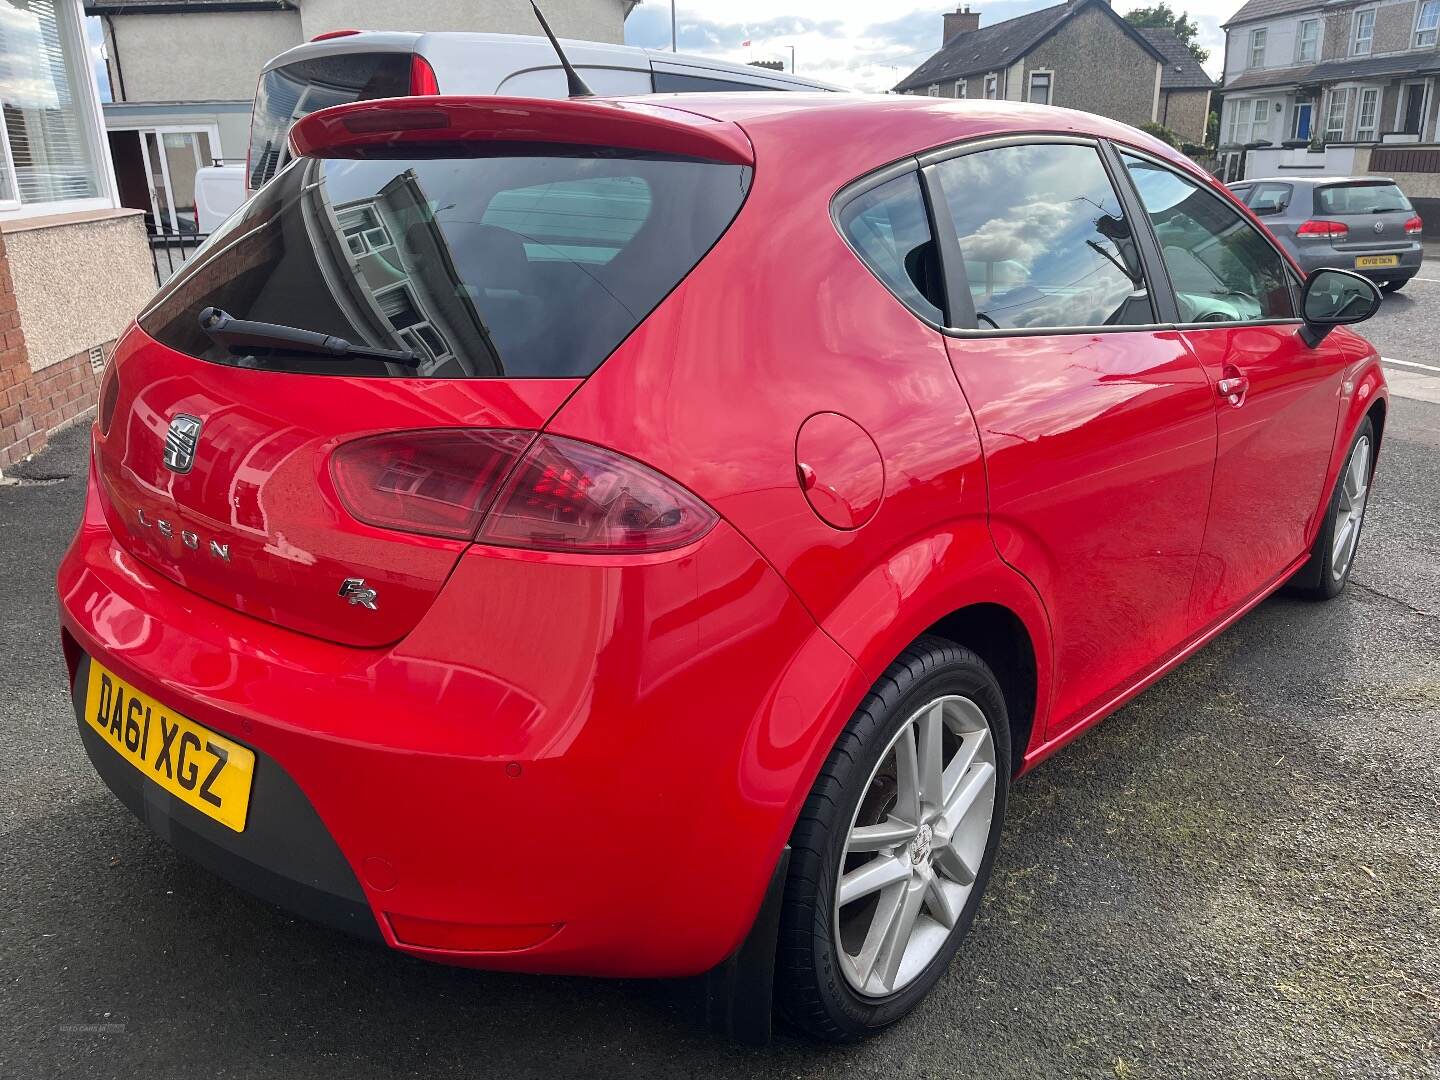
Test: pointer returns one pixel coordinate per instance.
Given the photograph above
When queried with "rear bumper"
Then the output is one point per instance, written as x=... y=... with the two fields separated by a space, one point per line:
x=1410 y=257
x=568 y=766
x=285 y=855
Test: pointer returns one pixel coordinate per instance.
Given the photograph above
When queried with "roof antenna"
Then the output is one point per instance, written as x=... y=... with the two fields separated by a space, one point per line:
x=572 y=77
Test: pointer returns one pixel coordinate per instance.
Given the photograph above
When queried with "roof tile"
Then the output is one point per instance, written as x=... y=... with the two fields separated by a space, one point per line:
x=1182 y=71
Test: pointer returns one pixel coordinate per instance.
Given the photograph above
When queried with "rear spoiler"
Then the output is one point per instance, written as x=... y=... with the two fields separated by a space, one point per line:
x=350 y=130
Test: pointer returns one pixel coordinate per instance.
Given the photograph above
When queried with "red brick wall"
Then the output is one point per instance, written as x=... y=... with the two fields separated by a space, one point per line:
x=34 y=403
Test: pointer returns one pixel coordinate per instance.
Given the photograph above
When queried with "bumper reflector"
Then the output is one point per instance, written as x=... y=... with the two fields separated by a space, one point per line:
x=468 y=937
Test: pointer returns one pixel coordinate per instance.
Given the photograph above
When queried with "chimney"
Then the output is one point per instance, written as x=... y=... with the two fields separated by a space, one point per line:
x=960 y=21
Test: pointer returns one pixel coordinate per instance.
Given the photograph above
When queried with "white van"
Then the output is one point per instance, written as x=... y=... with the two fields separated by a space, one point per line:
x=350 y=65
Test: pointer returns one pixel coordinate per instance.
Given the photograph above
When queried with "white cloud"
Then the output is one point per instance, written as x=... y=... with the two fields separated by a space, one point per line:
x=847 y=42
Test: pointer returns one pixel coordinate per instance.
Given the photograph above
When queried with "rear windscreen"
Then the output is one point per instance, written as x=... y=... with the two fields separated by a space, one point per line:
x=527 y=266
x=1360 y=199
x=285 y=94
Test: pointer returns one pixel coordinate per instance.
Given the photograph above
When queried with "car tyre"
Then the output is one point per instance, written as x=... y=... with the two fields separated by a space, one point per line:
x=1332 y=557
x=942 y=702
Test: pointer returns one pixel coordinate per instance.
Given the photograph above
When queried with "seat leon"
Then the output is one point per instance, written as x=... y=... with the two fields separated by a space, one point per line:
x=649 y=537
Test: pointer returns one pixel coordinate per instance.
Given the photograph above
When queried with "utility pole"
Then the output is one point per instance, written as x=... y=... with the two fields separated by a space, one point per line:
x=792 y=59
x=673 y=42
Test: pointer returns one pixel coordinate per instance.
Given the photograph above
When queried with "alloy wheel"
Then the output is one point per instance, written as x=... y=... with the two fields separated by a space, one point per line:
x=915 y=846
x=1350 y=510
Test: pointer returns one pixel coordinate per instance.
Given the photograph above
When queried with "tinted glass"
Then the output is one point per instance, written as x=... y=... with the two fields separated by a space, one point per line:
x=1270 y=198
x=667 y=82
x=1044 y=239
x=486 y=266
x=888 y=227
x=1221 y=268
x=1360 y=199
x=286 y=94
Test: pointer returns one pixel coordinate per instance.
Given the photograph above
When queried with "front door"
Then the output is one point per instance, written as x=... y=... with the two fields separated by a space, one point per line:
x=1275 y=400
x=1098 y=428
x=1300 y=126
x=1414 y=105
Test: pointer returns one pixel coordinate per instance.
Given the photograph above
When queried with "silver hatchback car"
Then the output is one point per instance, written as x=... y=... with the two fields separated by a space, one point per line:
x=1360 y=223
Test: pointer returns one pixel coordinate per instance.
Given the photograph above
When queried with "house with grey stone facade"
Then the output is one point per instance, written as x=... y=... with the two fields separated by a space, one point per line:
x=1333 y=71
x=1080 y=55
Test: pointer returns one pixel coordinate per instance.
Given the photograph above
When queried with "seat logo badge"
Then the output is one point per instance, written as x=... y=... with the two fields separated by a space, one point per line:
x=356 y=591
x=180 y=442
x=1379 y=226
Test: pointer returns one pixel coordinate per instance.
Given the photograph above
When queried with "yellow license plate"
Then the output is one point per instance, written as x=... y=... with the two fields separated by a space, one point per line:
x=1365 y=262
x=193 y=763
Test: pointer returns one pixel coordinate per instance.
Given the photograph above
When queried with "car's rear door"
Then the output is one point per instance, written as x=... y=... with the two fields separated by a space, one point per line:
x=1275 y=399
x=1097 y=423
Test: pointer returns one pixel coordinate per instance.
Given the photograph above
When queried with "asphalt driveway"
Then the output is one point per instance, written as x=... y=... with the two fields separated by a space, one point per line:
x=1236 y=876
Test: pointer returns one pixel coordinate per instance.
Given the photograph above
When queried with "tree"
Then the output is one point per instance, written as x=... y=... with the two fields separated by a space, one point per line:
x=1161 y=132
x=1163 y=17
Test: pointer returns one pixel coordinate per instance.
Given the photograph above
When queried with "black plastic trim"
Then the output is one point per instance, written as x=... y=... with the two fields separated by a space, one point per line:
x=740 y=991
x=285 y=856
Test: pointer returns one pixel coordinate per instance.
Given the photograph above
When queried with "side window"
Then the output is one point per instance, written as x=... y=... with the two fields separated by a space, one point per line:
x=1043 y=238
x=1221 y=268
x=888 y=228
x=668 y=82
x=1270 y=198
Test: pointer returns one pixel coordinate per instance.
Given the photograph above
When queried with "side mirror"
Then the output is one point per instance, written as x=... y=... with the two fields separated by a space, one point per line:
x=1335 y=298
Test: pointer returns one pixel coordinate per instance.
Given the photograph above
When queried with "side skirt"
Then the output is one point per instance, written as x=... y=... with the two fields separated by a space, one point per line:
x=1163 y=668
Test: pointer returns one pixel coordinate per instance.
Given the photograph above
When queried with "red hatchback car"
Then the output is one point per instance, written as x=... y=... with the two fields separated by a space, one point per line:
x=648 y=537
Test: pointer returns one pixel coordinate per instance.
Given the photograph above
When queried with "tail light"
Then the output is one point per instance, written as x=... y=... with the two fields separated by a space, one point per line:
x=571 y=496
x=328 y=34
x=109 y=395
x=435 y=483
x=560 y=495
x=1330 y=230
x=1414 y=227
x=422 y=77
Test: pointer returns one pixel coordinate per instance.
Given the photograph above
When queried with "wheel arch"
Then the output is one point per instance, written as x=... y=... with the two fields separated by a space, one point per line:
x=967 y=595
x=1377 y=411
x=1367 y=397
x=999 y=637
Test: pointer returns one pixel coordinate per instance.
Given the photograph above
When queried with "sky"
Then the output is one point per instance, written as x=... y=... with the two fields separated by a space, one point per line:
x=853 y=43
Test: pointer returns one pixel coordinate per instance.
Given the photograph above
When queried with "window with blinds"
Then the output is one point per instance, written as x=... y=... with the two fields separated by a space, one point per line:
x=50 y=157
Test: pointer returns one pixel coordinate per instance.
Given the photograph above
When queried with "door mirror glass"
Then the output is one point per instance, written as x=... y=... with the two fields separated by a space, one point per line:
x=1336 y=298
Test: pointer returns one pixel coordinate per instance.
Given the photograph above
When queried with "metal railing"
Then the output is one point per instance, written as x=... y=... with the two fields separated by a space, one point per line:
x=170 y=250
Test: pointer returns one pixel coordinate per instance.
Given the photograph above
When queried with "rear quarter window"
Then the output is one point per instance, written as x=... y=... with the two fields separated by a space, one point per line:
x=533 y=265
x=888 y=228
x=1271 y=199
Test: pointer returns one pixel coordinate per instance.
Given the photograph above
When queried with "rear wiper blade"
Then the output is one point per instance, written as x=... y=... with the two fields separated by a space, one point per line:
x=244 y=338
